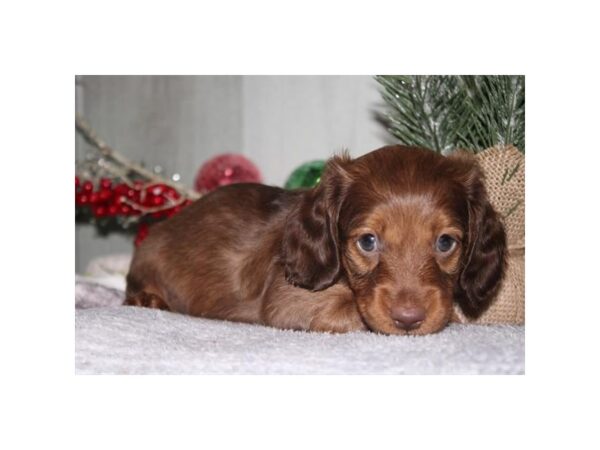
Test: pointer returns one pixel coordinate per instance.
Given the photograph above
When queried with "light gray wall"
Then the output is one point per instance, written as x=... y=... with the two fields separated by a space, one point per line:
x=179 y=122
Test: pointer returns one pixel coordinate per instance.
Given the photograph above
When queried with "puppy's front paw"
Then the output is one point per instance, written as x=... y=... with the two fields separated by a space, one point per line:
x=146 y=300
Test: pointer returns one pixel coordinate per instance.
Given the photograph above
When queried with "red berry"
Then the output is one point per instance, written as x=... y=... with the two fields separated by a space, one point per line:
x=172 y=211
x=157 y=189
x=105 y=183
x=141 y=234
x=88 y=186
x=104 y=195
x=83 y=199
x=100 y=211
x=94 y=197
x=77 y=182
x=125 y=209
x=113 y=210
x=78 y=198
x=121 y=189
x=157 y=201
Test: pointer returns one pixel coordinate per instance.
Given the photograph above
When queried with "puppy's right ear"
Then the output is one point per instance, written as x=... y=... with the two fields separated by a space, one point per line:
x=311 y=247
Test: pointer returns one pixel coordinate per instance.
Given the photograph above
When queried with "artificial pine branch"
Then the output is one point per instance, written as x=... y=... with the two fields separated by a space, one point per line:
x=448 y=112
x=419 y=109
x=497 y=104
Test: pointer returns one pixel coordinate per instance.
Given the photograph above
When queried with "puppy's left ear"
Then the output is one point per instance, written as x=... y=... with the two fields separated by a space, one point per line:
x=484 y=258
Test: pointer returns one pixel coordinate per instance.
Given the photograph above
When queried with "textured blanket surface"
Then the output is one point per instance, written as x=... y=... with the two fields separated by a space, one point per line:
x=114 y=339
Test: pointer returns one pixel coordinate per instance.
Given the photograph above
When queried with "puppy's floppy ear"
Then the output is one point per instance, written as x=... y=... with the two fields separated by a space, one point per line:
x=484 y=258
x=311 y=247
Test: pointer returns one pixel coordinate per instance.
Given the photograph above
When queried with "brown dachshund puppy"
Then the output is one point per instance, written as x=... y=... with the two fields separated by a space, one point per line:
x=386 y=242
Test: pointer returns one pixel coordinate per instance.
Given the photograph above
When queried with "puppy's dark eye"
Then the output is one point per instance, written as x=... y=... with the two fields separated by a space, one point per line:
x=367 y=242
x=445 y=243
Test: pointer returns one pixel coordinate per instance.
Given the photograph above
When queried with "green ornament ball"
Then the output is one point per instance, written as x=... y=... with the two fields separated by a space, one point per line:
x=306 y=176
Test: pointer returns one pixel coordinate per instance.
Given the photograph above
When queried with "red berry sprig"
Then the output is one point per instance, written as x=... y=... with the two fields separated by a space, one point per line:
x=108 y=199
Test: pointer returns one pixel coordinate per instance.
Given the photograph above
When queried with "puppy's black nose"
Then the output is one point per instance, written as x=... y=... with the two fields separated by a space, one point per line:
x=408 y=317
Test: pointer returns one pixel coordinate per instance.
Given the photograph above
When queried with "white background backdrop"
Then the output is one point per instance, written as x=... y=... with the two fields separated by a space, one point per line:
x=44 y=404
x=179 y=122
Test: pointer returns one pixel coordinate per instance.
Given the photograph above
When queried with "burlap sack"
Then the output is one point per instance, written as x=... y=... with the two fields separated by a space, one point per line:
x=504 y=169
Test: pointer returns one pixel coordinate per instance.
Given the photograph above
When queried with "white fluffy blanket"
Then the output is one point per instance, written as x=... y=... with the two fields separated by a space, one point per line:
x=114 y=339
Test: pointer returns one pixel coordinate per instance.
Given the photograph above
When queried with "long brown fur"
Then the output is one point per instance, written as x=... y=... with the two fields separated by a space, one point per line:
x=291 y=259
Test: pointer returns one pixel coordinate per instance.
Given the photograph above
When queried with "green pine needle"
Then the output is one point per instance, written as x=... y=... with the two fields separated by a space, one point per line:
x=448 y=112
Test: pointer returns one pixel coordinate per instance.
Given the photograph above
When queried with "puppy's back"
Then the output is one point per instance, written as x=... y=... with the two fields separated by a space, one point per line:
x=204 y=260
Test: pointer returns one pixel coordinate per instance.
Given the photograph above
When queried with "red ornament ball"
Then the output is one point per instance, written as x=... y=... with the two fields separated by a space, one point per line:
x=226 y=169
